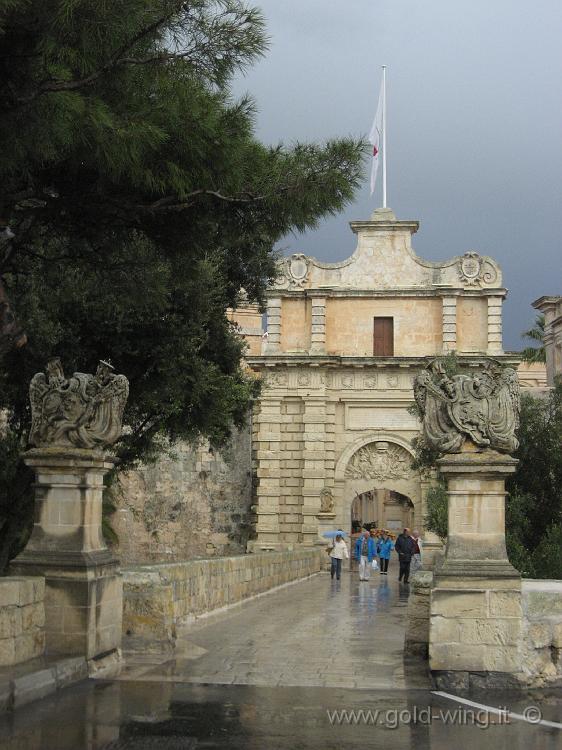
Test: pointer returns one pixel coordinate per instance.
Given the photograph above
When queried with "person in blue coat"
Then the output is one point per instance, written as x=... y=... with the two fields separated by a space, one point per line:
x=385 y=547
x=365 y=552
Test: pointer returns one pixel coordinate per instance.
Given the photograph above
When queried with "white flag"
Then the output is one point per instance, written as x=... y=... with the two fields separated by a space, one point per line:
x=375 y=137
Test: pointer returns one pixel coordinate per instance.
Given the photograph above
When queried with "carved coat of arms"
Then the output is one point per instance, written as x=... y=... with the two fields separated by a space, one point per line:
x=482 y=406
x=83 y=411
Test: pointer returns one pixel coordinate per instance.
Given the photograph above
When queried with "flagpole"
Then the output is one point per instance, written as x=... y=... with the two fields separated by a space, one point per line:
x=384 y=136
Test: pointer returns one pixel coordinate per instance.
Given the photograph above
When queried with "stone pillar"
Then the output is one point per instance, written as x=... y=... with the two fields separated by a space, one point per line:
x=318 y=331
x=476 y=603
x=268 y=454
x=551 y=308
x=83 y=586
x=495 y=345
x=73 y=422
x=273 y=325
x=314 y=470
x=449 y=324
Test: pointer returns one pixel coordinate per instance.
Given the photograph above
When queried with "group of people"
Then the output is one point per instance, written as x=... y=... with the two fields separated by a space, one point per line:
x=379 y=543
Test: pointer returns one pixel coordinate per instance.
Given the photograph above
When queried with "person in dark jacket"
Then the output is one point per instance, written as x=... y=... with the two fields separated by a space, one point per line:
x=405 y=548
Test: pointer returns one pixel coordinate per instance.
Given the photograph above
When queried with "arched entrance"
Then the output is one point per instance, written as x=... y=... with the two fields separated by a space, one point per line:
x=383 y=508
x=375 y=483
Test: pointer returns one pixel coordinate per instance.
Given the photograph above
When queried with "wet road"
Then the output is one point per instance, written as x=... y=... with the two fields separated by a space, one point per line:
x=318 y=632
x=293 y=669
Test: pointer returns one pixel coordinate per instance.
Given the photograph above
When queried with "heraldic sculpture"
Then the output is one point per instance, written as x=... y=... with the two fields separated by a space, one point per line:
x=482 y=406
x=83 y=411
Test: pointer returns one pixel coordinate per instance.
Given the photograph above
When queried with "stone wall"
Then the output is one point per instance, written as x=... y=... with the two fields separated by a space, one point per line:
x=541 y=646
x=196 y=503
x=159 y=599
x=22 y=619
x=533 y=624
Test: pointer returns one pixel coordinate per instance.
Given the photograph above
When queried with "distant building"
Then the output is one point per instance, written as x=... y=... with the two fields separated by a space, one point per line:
x=551 y=308
x=332 y=430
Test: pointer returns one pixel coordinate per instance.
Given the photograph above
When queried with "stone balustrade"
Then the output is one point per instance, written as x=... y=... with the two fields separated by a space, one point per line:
x=159 y=599
x=22 y=619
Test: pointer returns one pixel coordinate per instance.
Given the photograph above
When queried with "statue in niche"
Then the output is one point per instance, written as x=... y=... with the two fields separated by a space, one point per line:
x=83 y=411
x=482 y=406
x=326 y=501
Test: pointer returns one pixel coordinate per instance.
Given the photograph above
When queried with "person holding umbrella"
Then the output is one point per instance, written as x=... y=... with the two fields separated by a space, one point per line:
x=338 y=553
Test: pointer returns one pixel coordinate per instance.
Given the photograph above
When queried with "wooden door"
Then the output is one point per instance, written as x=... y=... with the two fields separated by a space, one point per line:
x=383 y=337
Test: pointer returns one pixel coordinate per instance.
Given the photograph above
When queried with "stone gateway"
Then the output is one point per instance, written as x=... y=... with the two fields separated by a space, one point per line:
x=345 y=342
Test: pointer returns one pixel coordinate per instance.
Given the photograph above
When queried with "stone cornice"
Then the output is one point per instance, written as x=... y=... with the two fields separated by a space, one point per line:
x=333 y=360
x=542 y=303
x=436 y=292
x=385 y=226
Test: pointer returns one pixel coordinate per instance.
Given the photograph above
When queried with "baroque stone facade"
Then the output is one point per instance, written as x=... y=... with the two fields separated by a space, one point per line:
x=344 y=344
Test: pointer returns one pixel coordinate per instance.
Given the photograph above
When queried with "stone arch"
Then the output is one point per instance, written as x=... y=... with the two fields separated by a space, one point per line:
x=375 y=437
x=347 y=486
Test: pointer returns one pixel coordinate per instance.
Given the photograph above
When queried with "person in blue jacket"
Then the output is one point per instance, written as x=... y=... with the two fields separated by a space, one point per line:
x=385 y=547
x=365 y=552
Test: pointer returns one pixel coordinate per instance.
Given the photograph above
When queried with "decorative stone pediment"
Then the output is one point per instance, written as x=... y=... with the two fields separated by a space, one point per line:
x=385 y=259
x=380 y=461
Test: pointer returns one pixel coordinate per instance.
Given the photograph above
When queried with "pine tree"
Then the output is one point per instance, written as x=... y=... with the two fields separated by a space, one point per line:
x=135 y=204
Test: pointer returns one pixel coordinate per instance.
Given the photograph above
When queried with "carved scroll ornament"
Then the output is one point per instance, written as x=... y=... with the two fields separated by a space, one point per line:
x=83 y=411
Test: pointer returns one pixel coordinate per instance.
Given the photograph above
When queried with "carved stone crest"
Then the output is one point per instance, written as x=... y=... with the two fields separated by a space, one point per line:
x=380 y=461
x=297 y=269
x=347 y=381
x=83 y=411
x=474 y=269
x=370 y=381
x=482 y=406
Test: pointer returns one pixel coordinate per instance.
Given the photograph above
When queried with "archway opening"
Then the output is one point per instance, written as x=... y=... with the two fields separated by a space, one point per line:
x=382 y=508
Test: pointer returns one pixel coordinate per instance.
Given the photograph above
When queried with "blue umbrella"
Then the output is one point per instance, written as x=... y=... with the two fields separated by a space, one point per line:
x=334 y=534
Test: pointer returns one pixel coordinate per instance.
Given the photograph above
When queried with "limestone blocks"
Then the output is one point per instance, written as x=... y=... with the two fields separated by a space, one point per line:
x=22 y=619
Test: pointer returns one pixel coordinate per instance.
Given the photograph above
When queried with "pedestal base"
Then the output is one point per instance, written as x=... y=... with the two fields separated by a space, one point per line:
x=83 y=585
x=475 y=609
x=83 y=603
x=475 y=626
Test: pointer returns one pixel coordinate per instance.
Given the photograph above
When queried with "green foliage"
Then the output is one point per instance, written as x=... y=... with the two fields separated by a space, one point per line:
x=141 y=204
x=547 y=557
x=536 y=333
x=437 y=509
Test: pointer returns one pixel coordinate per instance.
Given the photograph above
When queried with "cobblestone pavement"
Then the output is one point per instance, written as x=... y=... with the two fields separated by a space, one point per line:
x=316 y=632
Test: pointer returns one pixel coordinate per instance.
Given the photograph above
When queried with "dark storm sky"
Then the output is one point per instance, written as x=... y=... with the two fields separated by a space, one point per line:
x=474 y=123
